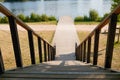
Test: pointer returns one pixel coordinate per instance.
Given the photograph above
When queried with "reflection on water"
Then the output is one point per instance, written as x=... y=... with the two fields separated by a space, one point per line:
x=59 y=7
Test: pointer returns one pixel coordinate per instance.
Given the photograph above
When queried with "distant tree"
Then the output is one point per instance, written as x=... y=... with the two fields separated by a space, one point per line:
x=115 y=3
x=93 y=15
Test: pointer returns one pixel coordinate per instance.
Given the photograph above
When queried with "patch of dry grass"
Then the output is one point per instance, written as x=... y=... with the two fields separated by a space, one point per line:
x=7 y=49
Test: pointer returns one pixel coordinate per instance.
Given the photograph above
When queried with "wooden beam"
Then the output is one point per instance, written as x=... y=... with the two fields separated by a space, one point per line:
x=31 y=46
x=96 y=46
x=110 y=41
x=15 y=41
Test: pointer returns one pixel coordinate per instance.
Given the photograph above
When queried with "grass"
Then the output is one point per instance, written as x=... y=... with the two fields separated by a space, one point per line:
x=43 y=23
x=102 y=48
x=7 y=50
x=89 y=23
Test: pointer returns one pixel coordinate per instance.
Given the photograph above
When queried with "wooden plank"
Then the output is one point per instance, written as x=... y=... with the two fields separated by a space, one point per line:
x=40 y=49
x=96 y=46
x=51 y=75
x=48 y=52
x=89 y=50
x=45 y=52
x=15 y=41
x=84 y=55
x=81 y=52
x=2 y=69
x=110 y=41
x=31 y=46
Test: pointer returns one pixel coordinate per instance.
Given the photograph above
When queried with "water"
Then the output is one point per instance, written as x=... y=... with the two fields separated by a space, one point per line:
x=60 y=7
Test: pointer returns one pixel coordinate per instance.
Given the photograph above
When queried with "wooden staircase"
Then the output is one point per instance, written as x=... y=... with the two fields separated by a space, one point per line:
x=79 y=69
x=60 y=70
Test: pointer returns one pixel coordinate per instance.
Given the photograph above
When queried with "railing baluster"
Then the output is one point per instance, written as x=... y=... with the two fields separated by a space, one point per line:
x=2 y=69
x=96 y=46
x=31 y=45
x=15 y=41
x=48 y=53
x=76 y=50
x=89 y=50
x=110 y=41
x=84 y=56
x=40 y=49
x=51 y=53
x=45 y=53
x=81 y=52
x=54 y=49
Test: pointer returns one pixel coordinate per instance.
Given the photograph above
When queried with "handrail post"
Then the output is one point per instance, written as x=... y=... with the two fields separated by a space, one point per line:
x=15 y=41
x=40 y=49
x=110 y=40
x=45 y=52
x=89 y=50
x=31 y=45
x=81 y=52
x=54 y=49
x=96 y=46
x=84 y=55
x=76 y=50
x=2 y=69
x=48 y=52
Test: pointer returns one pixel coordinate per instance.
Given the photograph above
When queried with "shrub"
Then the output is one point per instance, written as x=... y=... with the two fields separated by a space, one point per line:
x=86 y=18
x=4 y=19
x=79 y=18
x=21 y=16
x=33 y=17
x=93 y=15
x=52 y=18
x=44 y=17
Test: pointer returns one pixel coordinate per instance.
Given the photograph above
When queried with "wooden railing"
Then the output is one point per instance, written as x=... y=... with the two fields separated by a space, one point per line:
x=83 y=51
x=49 y=51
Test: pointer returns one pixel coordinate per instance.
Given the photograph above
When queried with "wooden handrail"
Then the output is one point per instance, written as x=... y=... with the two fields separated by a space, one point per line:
x=112 y=20
x=13 y=21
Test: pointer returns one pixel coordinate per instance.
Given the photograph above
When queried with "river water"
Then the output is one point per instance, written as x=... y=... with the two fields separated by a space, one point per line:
x=59 y=8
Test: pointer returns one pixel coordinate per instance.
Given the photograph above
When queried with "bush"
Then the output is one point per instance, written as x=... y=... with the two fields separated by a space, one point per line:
x=93 y=15
x=52 y=18
x=86 y=18
x=35 y=17
x=44 y=17
x=4 y=19
x=21 y=16
x=79 y=18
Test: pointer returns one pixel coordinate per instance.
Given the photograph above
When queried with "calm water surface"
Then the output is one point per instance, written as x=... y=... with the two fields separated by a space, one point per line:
x=59 y=7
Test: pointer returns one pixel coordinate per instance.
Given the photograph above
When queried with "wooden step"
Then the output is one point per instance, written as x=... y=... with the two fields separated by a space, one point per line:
x=62 y=75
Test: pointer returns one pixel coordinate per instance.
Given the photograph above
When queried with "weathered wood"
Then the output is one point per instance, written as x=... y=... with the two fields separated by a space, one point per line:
x=45 y=52
x=2 y=69
x=76 y=50
x=84 y=55
x=54 y=49
x=110 y=41
x=40 y=49
x=15 y=41
x=48 y=52
x=89 y=50
x=96 y=46
x=31 y=46
x=81 y=52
